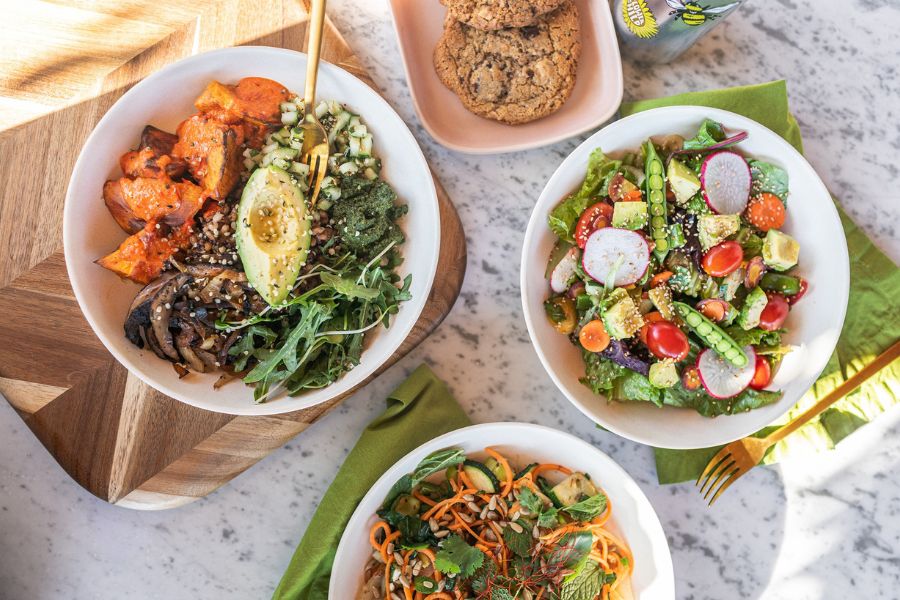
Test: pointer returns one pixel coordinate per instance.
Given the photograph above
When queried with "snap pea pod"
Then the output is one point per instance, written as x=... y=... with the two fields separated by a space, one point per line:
x=712 y=335
x=656 y=199
x=776 y=282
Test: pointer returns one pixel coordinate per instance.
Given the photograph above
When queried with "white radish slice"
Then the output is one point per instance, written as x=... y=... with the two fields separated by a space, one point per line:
x=725 y=177
x=564 y=271
x=622 y=251
x=721 y=378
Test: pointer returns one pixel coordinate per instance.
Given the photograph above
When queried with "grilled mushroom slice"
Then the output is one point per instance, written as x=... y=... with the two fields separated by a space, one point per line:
x=139 y=313
x=161 y=311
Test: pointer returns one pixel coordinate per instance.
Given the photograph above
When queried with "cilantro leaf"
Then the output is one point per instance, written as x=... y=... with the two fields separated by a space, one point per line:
x=588 y=508
x=530 y=501
x=457 y=557
x=518 y=542
x=586 y=583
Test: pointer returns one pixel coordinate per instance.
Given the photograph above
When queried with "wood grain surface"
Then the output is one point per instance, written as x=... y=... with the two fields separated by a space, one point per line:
x=117 y=437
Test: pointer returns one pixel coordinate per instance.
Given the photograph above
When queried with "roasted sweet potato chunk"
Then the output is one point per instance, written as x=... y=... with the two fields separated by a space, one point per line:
x=159 y=141
x=152 y=158
x=134 y=202
x=212 y=150
x=253 y=98
x=142 y=256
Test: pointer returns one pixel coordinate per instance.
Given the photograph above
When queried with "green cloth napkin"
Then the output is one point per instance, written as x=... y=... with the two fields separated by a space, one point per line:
x=870 y=327
x=421 y=409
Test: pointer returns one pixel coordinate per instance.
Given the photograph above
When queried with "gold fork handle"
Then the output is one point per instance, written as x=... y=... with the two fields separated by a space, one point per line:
x=316 y=24
x=881 y=361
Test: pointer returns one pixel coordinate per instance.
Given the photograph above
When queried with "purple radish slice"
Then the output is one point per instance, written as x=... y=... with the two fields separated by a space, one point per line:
x=723 y=379
x=564 y=271
x=622 y=251
x=729 y=141
x=725 y=179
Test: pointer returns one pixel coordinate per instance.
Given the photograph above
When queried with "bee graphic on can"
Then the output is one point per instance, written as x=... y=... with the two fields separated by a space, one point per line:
x=693 y=14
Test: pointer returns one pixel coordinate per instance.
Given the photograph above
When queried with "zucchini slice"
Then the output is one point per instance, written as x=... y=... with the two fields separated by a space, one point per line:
x=547 y=489
x=496 y=468
x=574 y=488
x=528 y=469
x=481 y=476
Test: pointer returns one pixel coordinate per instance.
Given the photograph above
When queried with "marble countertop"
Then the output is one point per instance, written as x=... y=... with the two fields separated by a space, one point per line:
x=825 y=527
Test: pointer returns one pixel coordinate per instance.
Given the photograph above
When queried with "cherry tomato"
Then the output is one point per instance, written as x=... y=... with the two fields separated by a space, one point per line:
x=763 y=374
x=594 y=217
x=690 y=379
x=803 y=287
x=649 y=318
x=722 y=259
x=775 y=312
x=666 y=340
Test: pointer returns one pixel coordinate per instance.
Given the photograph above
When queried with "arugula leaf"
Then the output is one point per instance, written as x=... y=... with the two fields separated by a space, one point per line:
x=457 y=557
x=766 y=177
x=588 y=508
x=313 y=315
x=573 y=547
x=348 y=287
x=710 y=133
x=437 y=461
x=564 y=215
x=586 y=583
x=244 y=349
x=519 y=543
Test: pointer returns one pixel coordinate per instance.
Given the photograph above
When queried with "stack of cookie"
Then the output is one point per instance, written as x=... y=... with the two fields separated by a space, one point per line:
x=509 y=60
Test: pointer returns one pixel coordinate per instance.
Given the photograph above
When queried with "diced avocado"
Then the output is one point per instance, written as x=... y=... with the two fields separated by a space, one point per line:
x=682 y=180
x=573 y=489
x=663 y=374
x=630 y=215
x=753 y=306
x=407 y=505
x=481 y=476
x=661 y=297
x=713 y=229
x=623 y=319
x=272 y=232
x=496 y=468
x=780 y=251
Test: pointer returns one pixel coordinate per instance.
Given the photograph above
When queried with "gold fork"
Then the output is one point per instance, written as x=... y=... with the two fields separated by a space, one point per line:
x=740 y=456
x=315 y=149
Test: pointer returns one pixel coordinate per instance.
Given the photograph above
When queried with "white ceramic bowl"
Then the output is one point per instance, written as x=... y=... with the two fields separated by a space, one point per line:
x=633 y=517
x=814 y=323
x=166 y=98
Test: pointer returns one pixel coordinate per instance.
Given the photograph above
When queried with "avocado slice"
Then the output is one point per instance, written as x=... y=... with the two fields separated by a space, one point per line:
x=780 y=251
x=272 y=232
x=754 y=304
x=683 y=182
x=622 y=320
x=663 y=374
x=630 y=215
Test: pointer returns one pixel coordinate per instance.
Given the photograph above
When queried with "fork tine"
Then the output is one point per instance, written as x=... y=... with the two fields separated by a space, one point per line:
x=712 y=466
x=720 y=473
x=723 y=477
x=316 y=175
x=735 y=475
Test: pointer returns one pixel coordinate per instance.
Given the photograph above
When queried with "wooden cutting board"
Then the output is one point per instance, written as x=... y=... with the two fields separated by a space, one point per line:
x=116 y=436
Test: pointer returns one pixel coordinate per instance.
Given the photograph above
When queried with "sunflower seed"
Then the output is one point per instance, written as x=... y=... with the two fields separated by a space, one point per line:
x=516 y=527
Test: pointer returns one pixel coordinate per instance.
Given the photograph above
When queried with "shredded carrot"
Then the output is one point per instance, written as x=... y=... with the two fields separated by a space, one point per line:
x=466 y=481
x=507 y=470
x=423 y=499
x=387 y=578
x=379 y=526
x=439 y=596
x=469 y=529
x=550 y=467
x=387 y=540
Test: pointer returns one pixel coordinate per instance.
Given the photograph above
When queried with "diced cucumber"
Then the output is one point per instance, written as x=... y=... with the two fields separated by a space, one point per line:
x=289 y=118
x=481 y=476
x=358 y=131
x=348 y=168
x=288 y=107
x=300 y=169
x=321 y=109
x=355 y=146
x=331 y=193
x=370 y=174
x=285 y=153
x=365 y=145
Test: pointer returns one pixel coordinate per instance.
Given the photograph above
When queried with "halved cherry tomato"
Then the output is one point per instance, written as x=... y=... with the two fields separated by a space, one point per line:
x=763 y=373
x=775 y=312
x=690 y=379
x=722 y=259
x=593 y=336
x=666 y=340
x=804 y=285
x=594 y=217
x=651 y=317
x=660 y=278
x=766 y=212
x=575 y=290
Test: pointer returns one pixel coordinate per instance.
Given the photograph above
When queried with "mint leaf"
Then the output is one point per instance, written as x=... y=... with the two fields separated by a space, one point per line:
x=404 y=485
x=437 y=461
x=457 y=557
x=546 y=517
x=588 y=508
x=586 y=583
x=518 y=542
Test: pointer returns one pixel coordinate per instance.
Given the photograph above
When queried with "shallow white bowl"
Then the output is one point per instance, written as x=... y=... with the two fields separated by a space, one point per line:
x=166 y=98
x=633 y=516
x=815 y=323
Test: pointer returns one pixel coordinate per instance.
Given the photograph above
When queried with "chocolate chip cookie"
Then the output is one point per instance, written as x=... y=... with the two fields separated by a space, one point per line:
x=512 y=75
x=499 y=14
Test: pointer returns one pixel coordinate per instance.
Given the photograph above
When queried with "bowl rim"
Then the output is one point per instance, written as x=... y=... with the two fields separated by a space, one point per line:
x=252 y=408
x=618 y=81
x=841 y=271
x=483 y=431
